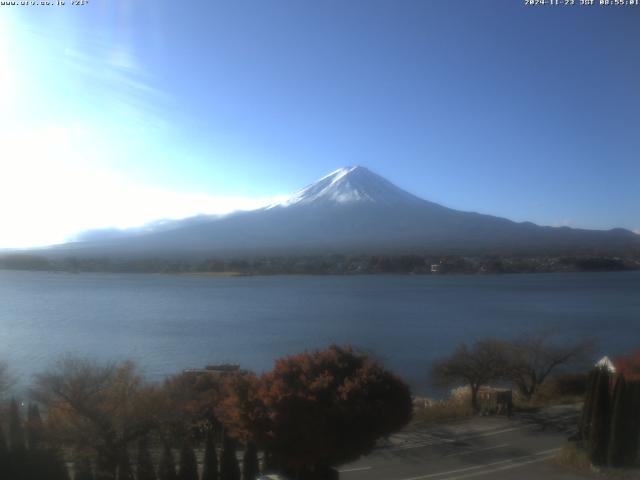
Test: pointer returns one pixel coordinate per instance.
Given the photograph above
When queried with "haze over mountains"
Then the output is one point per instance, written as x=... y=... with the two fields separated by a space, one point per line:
x=351 y=210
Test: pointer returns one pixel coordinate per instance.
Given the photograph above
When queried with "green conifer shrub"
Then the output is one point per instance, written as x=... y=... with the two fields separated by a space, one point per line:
x=144 y=464
x=210 y=466
x=229 y=468
x=600 y=419
x=167 y=467
x=188 y=463
x=250 y=467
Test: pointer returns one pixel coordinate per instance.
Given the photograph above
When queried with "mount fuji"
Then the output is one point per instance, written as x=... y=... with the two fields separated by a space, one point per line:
x=352 y=210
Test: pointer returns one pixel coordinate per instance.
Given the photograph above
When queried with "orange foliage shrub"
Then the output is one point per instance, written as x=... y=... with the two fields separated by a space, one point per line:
x=629 y=366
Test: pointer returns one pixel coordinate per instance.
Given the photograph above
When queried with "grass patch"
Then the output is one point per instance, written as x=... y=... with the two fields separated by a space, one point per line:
x=432 y=412
x=540 y=402
x=561 y=390
x=575 y=458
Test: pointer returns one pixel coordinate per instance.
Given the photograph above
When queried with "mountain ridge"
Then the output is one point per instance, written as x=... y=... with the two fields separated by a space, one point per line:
x=352 y=209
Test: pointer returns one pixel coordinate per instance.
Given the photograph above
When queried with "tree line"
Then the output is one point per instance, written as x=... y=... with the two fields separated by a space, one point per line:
x=92 y=421
x=337 y=264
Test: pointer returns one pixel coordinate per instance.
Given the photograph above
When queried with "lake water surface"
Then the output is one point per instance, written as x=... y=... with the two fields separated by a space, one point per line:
x=171 y=322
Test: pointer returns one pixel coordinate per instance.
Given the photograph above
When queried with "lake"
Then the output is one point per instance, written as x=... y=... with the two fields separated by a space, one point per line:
x=171 y=322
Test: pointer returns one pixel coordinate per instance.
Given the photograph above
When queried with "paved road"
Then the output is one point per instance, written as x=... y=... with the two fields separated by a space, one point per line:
x=520 y=448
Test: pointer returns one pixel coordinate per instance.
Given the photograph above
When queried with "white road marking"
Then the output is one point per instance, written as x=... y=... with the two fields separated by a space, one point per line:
x=469 y=452
x=495 y=432
x=500 y=469
x=460 y=439
x=355 y=469
x=431 y=442
x=485 y=465
x=426 y=441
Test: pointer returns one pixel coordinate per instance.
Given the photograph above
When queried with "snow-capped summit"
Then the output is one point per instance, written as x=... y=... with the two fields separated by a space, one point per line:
x=349 y=185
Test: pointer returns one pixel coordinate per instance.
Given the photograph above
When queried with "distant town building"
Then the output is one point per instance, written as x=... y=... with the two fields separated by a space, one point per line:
x=435 y=268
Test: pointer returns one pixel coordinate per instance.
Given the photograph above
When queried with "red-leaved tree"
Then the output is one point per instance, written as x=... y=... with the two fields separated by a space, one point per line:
x=241 y=410
x=629 y=366
x=320 y=409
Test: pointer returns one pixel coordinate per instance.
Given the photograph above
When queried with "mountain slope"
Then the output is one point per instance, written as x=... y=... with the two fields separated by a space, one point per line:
x=355 y=210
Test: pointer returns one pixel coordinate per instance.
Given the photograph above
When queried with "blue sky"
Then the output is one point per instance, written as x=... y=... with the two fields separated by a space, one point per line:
x=119 y=112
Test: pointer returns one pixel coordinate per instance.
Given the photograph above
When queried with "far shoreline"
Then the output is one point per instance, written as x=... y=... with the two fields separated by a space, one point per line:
x=421 y=264
x=235 y=274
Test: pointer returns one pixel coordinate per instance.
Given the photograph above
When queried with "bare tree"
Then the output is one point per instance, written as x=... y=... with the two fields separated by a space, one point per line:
x=533 y=357
x=475 y=366
x=100 y=407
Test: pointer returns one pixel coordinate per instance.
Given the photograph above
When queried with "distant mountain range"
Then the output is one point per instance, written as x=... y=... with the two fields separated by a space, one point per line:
x=351 y=210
